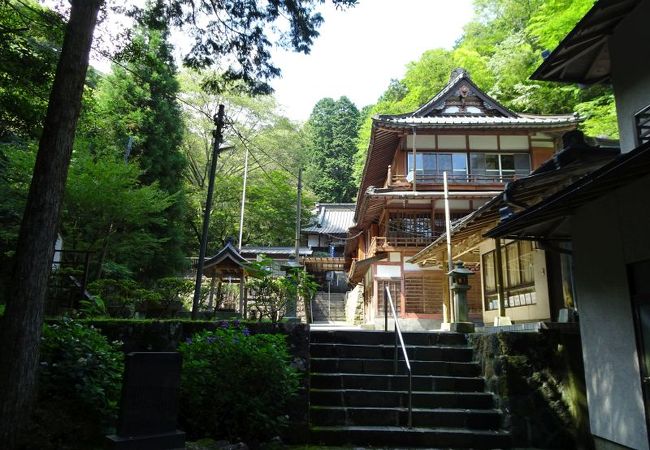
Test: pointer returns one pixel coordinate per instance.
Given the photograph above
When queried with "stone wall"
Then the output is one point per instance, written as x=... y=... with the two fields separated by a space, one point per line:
x=538 y=379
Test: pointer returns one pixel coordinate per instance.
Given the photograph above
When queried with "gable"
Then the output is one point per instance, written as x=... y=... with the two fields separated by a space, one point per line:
x=461 y=97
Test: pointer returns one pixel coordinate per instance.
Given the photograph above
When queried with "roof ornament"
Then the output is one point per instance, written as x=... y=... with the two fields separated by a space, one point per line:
x=457 y=72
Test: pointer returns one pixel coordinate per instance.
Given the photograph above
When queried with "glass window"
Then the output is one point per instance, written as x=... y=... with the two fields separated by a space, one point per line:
x=432 y=163
x=642 y=122
x=526 y=262
x=444 y=163
x=419 y=162
x=489 y=278
x=522 y=164
x=518 y=275
x=499 y=166
x=507 y=163
x=492 y=163
x=512 y=265
x=429 y=163
x=477 y=163
x=459 y=162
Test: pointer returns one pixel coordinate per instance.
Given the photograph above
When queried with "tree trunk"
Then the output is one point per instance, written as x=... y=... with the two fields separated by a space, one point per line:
x=20 y=330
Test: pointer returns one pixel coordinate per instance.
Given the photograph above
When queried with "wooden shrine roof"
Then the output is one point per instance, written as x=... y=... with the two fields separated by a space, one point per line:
x=227 y=262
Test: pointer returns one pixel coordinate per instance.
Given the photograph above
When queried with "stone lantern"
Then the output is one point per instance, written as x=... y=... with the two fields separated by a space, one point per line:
x=459 y=287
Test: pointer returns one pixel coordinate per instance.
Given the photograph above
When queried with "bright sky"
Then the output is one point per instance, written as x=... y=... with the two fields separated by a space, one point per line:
x=359 y=50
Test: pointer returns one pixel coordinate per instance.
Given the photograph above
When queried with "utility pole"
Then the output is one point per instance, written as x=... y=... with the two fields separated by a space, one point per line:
x=243 y=202
x=450 y=263
x=294 y=266
x=299 y=210
x=216 y=143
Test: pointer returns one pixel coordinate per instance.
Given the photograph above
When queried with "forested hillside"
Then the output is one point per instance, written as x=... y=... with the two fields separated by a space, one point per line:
x=137 y=182
x=500 y=48
x=138 y=178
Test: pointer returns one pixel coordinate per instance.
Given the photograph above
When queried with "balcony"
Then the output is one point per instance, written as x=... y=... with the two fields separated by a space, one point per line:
x=380 y=244
x=433 y=179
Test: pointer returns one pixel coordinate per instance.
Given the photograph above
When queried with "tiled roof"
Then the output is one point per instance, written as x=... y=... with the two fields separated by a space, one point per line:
x=289 y=251
x=523 y=121
x=332 y=218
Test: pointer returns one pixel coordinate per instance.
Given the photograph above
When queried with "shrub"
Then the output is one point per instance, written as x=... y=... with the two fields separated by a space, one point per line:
x=122 y=298
x=235 y=385
x=79 y=384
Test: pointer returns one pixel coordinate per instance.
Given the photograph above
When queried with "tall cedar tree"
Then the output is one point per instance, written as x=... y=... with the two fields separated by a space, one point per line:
x=139 y=107
x=333 y=132
x=238 y=37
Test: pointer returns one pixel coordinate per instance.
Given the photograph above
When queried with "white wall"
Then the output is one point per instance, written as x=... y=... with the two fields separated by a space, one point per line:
x=630 y=57
x=608 y=234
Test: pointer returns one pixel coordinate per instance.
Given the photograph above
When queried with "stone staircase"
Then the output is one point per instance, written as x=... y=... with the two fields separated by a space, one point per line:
x=328 y=307
x=355 y=399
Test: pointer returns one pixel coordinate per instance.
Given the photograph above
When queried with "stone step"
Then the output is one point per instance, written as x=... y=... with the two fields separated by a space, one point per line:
x=385 y=366
x=479 y=419
x=410 y=437
x=382 y=337
x=396 y=382
x=396 y=399
x=383 y=351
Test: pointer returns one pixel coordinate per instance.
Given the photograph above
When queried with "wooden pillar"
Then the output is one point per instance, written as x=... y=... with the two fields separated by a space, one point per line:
x=500 y=285
x=242 y=294
x=213 y=280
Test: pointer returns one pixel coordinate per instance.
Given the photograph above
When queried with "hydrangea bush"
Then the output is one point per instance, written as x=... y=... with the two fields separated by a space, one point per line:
x=79 y=385
x=236 y=385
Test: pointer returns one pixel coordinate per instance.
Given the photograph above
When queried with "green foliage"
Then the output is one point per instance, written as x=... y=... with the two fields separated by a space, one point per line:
x=80 y=379
x=137 y=109
x=122 y=298
x=235 y=385
x=501 y=48
x=333 y=131
x=30 y=39
x=275 y=147
x=269 y=292
x=107 y=209
x=16 y=163
x=172 y=292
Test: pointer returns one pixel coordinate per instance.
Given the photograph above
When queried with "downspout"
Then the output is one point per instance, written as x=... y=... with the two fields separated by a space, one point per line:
x=499 y=274
x=415 y=135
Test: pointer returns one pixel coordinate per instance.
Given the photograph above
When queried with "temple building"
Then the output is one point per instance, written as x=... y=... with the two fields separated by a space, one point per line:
x=481 y=145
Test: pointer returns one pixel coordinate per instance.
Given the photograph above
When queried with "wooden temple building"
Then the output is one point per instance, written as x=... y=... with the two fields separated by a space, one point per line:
x=482 y=146
x=528 y=280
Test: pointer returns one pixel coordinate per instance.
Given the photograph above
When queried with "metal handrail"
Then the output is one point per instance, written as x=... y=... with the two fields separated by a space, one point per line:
x=388 y=299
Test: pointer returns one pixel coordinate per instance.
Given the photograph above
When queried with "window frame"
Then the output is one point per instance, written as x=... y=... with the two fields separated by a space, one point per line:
x=519 y=293
x=642 y=126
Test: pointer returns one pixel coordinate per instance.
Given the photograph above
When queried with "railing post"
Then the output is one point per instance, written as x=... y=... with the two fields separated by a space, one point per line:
x=410 y=418
x=386 y=309
x=395 y=356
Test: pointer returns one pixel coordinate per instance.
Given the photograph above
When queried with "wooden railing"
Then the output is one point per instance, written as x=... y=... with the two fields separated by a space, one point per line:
x=397 y=180
x=382 y=242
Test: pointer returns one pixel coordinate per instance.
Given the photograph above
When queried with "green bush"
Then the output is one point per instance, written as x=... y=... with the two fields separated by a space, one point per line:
x=235 y=385
x=79 y=384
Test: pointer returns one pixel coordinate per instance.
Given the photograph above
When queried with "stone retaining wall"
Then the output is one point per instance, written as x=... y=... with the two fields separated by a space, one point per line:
x=539 y=381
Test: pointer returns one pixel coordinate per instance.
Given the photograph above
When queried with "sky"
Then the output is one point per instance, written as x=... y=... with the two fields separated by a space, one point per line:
x=360 y=50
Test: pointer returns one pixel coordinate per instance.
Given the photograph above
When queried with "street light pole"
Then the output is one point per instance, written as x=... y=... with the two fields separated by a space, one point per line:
x=216 y=143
